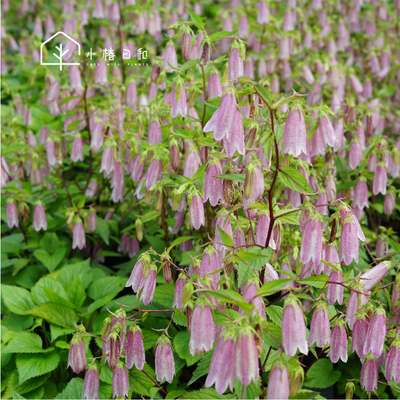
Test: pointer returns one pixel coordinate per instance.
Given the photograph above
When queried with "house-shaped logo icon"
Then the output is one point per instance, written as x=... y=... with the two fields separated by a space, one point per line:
x=61 y=53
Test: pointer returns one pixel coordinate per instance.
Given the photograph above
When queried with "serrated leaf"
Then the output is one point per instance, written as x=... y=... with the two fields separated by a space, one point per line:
x=103 y=230
x=73 y=390
x=196 y=20
x=293 y=179
x=50 y=242
x=16 y=299
x=221 y=35
x=181 y=346
x=72 y=126
x=79 y=270
x=16 y=395
x=225 y=317
x=225 y=238
x=206 y=394
x=278 y=132
x=244 y=272
x=273 y=287
x=55 y=314
x=38 y=291
x=275 y=314
x=76 y=293
x=318 y=281
x=32 y=365
x=99 y=303
x=202 y=367
x=50 y=261
x=232 y=177
x=322 y=375
x=25 y=342
x=180 y=318
x=230 y=296
x=189 y=64
x=180 y=240
x=200 y=172
x=108 y=286
x=57 y=331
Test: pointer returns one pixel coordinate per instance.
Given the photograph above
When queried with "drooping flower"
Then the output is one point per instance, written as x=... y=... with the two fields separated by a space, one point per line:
x=359 y=334
x=369 y=374
x=180 y=283
x=370 y=278
x=178 y=99
x=77 y=354
x=392 y=364
x=91 y=383
x=12 y=214
x=213 y=187
x=390 y=203
x=253 y=184
x=186 y=44
x=78 y=235
x=249 y=292
x=134 y=348
x=320 y=328
x=263 y=13
x=270 y=274
x=196 y=212
x=334 y=292
x=349 y=241
x=235 y=63
x=214 y=85
x=120 y=381
x=278 y=382
x=295 y=136
x=153 y=173
x=262 y=229
x=154 y=134
x=355 y=302
x=246 y=357
x=380 y=180
x=222 y=367
x=360 y=199
x=376 y=333
x=39 y=217
x=170 y=58
x=355 y=154
x=192 y=162
x=293 y=328
x=148 y=284
x=311 y=244
x=164 y=360
x=338 y=347
x=202 y=328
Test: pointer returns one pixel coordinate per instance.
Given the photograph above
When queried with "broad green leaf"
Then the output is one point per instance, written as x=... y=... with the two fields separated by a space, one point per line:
x=306 y=394
x=263 y=92
x=25 y=342
x=50 y=261
x=103 y=230
x=278 y=132
x=76 y=293
x=244 y=272
x=73 y=390
x=196 y=20
x=56 y=298
x=16 y=395
x=27 y=386
x=174 y=394
x=57 y=331
x=180 y=240
x=273 y=287
x=221 y=35
x=80 y=270
x=181 y=346
x=200 y=173
x=99 y=303
x=250 y=391
x=232 y=177
x=17 y=322
x=50 y=242
x=322 y=374
x=186 y=259
x=108 y=286
x=38 y=291
x=255 y=256
x=206 y=394
x=16 y=299
x=189 y=64
x=32 y=365
x=318 y=281
x=140 y=383
x=292 y=218
x=225 y=317
x=202 y=367
x=293 y=179
x=72 y=126
x=55 y=314
x=180 y=318
x=387 y=91
x=274 y=313
x=225 y=238
x=230 y=296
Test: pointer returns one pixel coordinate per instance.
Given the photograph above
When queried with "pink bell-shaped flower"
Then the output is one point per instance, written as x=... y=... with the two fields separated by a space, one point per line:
x=370 y=278
x=154 y=135
x=235 y=63
x=355 y=154
x=224 y=223
x=186 y=45
x=331 y=255
x=293 y=328
x=39 y=217
x=359 y=334
x=91 y=383
x=246 y=357
x=192 y=162
x=376 y=333
x=311 y=244
x=349 y=241
x=153 y=173
x=360 y=199
x=334 y=292
x=390 y=203
x=148 y=284
x=214 y=85
x=164 y=360
x=202 y=328
x=249 y=292
x=263 y=13
x=369 y=374
x=295 y=135
x=355 y=302
x=223 y=362
x=278 y=382
x=12 y=214
x=380 y=180
x=77 y=354
x=137 y=272
x=170 y=58
x=178 y=99
x=120 y=381
x=78 y=235
x=270 y=274
x=338 y=347
x=392 y=364
x=253 y=184
x=196 y=211
x=213 y=187
x=134 y=348
x=262 y=231
x=320 y=328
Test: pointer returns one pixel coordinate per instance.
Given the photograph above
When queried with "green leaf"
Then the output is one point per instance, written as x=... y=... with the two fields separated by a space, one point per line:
x=196 y=20
x=200 y=173
x=140 y=383
x=292 y=218
x=221 y=35
x=206 y=394
x=50 y=242
x=180 y=318
x=202 y=367
x=99 y=303
x=56 y=298
x=278 y=132
x=322 y=375
x=293 y=179
x=72 y=126
x=16 y=395
x=250 y=391
x=394 y=244
x=25 y=342
x=52 y=261
x=174 y=394
x=26 y=387
x=318 y=281
x=56 y=331
x=273 y=286
x=55 y=314
x=103 y=230
x=275 y=314
x=73 y=390
x=232 y=177
x=225 y=317
x=225 y=238
x=108 y=286
x=16 y=299
x=244 y=272
x=230 y=296
x=263 y=93
x=186 y=259
x=32 y=365
x=79 y=270
x=181 y=346
x=306 y=394
x=387 y=91
x=189 y=64
x=17 y=322
x=76 y=293
x=180 y=240
x=38 y=291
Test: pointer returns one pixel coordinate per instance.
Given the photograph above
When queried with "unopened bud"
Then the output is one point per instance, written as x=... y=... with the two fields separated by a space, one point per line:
x=187 y=293
x=205 y=55
x=139 y=229
x=167 y=271
x=349 y=390
x=228 y=191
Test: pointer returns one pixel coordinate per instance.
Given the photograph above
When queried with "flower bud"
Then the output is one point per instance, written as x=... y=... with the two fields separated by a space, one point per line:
x=350 y=388
x=371 y=278
x=91 y=221
x=296 y=379
x=279 y=386
x=205 y=53
x=376 y=333
x=186 y=45
x=139 y=229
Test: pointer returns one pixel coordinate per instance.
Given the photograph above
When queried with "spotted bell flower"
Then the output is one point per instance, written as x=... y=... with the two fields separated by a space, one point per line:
x=262 y=231
x=349 y=241
x=235 y=62
x=12 y=214
x=224 y=223
x=355 y=302
x=320 y=328
x=170 y=58
x=178 y=99
x=370 y=278
x=91 y=383
x=222 y=367
x=134 y=348
x=120 y=381
x=369 y=374
x=295 y=135
x=376 y=334
x=253 y=184
x=249 y=293
x=192 y=162
x=180 y=283
x=213 y=187
x=196 y=211
x=360 y=198
x=293 y=328
x=153 y=173
x=186 y=44
x=270 y=274
x=338 y=349
x=380 y=180
x=392 y=363
x=278 y=382
x=78 y=235
x=164 y=360
x=359 y=333
x=334 y=291
x=214 y=85
x=77 y=354
x=311 y=244
x=390 y=203
x=246 y=357
x=39 y=217
x=202 y=328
